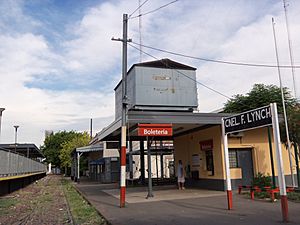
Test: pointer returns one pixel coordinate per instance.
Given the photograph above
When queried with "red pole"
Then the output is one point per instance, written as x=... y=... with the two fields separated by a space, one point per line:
x=284 y=208
x=123 y=167
x=229 y=199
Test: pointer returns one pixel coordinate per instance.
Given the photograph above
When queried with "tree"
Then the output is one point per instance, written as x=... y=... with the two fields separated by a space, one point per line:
x=79 y=140
x=260 y=95
x=52 y=146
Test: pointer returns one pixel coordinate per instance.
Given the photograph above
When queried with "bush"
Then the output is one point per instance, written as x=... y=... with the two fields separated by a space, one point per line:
x=261 y=181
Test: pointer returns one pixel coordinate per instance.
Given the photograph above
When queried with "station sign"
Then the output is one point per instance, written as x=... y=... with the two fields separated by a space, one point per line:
x=259 y=117
x=155 y=130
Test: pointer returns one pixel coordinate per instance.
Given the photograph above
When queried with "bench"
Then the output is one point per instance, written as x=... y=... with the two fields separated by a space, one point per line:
x=276 y=190
x=269 y=190
x=252 y=189
x=244 y=187
x=258 y=190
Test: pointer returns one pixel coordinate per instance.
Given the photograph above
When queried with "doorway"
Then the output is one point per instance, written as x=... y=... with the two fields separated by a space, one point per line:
x=243 y=159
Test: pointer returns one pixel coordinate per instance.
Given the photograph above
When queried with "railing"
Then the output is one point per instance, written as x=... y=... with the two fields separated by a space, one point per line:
x=13 y=164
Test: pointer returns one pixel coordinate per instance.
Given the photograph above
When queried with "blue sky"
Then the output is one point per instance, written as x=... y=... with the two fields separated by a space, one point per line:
x=58 y=65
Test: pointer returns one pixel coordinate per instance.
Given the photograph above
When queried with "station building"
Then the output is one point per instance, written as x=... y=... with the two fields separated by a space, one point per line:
x=165 y=92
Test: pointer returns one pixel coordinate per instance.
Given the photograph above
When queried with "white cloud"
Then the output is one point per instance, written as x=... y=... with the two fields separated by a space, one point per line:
x=92 y=49
x=230 y=30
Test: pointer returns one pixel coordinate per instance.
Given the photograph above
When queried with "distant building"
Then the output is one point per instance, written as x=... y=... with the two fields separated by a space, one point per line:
x=48 y=133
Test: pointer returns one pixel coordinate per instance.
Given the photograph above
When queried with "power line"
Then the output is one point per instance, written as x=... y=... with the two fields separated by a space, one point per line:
x=154 y=10
x=204 y=85
x=217 y=61
x=140 y=6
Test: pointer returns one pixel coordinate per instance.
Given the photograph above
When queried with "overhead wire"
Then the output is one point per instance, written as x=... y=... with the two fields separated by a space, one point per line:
x=154 y=10
x=214 y=60
x=138 y=8
x=204 y=85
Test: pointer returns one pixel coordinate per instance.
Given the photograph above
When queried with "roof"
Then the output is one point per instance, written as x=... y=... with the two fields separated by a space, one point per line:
x=182 y=123
x=90 y=148
x=162 y=63
x=30 y=150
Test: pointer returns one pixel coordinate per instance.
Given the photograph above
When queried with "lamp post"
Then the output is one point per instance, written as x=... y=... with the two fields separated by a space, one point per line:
x=16 y=136
x=1 y=110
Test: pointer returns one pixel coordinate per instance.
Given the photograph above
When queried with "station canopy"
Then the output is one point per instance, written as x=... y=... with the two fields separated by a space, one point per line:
x=27 y=150
x=182 y=123
x=90 y=148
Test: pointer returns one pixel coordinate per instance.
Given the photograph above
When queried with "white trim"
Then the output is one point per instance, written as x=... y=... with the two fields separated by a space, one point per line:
x=226 y=157
x=123 y=138
x=123 y=176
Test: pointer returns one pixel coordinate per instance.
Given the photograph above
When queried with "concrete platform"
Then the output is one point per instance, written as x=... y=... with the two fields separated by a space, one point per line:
x=165 y=193
x=183 y=207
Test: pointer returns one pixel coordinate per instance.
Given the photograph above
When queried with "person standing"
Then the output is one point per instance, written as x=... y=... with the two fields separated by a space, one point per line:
x=180 y=174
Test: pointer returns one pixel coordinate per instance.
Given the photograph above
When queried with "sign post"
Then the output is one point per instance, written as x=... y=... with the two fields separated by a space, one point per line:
x=281 y=180
x=260 y=117
x=153 y=130
x=227 y=168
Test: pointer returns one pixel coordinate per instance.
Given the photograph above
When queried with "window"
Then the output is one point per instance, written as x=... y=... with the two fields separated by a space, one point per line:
x=209 y=161
x=233 y=161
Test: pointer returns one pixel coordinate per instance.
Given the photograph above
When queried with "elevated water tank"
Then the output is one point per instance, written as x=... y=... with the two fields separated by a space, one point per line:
x=159 y=85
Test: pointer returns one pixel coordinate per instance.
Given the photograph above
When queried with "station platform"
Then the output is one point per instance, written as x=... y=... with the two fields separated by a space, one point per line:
x=181 y=207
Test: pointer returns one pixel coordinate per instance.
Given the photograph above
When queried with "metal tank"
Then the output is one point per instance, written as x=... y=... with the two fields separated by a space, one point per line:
x=159 y=85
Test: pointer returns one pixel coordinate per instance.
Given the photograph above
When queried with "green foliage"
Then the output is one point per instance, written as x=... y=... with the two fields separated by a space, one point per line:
x=295 y=196
x=82 y=212
x=260 y=95
x=79 y=140
x=261 y=181
x=53 y=146
x=6 y=204
x=293 y=115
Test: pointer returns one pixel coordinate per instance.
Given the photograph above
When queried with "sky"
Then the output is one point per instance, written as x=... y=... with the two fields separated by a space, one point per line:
x=59 y=67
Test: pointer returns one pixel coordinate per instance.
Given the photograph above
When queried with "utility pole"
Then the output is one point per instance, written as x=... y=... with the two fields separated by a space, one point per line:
x=1 y=110
x=290 y=47
x=283 y=106
x=16 y=137
x=124 y=40
x=91 y=128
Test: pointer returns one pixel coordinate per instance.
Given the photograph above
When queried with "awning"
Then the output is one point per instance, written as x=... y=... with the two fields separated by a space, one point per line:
x=90 y=148
x=182 y=123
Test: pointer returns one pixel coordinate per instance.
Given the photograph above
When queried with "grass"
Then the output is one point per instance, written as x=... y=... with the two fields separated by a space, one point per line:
x=6 y=204
x=81 y=210
x=294 y=196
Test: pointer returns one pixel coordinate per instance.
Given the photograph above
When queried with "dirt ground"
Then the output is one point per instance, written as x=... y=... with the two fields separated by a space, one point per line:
x=42 y=202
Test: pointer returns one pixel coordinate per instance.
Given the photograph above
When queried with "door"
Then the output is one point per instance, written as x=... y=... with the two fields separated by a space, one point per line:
x=245 y=162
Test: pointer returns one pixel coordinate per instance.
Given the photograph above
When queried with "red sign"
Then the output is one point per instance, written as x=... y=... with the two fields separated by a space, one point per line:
x=155 y=130
x=206 y=145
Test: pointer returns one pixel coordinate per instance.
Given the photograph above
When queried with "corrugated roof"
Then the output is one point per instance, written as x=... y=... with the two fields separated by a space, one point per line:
x=91 y=148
